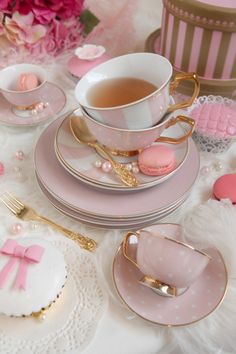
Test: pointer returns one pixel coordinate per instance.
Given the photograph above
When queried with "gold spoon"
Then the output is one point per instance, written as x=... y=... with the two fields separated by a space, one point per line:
x=82 y=134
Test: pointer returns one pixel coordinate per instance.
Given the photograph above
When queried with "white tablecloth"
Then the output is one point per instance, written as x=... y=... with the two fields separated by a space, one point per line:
x=119 y=331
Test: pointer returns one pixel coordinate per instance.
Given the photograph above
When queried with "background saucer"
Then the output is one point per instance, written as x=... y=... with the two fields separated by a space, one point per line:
x=52 y=94
x=79 y=160
x=199 y=301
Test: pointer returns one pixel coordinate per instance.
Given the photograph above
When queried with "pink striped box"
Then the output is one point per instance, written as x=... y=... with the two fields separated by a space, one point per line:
x=200 y=36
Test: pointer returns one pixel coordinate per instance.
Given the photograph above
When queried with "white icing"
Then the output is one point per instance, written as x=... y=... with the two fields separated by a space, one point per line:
x=44 y=280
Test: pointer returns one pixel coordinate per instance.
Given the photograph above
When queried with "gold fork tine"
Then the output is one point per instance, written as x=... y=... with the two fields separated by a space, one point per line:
x=13 y=210
x=15 y=202
x=11 y=203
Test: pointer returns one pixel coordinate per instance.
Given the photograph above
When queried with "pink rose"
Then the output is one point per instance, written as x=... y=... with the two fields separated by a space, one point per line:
x=20 y=30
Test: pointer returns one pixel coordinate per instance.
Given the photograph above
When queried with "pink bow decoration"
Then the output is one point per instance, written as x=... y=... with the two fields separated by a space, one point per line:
x=26 y=255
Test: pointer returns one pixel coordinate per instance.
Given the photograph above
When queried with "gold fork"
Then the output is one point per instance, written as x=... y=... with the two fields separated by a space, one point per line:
x=28 y=214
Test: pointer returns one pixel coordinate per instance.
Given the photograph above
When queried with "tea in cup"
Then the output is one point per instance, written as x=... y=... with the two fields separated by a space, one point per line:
x=132 y=91
x=169 y=266
x=22 y=85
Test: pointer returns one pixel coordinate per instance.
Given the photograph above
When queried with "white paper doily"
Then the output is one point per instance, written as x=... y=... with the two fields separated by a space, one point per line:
x=71 y=322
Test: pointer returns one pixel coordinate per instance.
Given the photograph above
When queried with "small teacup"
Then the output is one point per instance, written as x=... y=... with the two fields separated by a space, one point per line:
x=26 y=100
x=129 y=142
x=169 y=266
x=126 y=75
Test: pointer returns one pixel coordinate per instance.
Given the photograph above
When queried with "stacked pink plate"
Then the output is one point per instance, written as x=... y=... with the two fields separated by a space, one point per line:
x=67 y=174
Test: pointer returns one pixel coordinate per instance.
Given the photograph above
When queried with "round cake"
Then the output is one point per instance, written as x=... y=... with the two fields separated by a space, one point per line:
x=32 y=276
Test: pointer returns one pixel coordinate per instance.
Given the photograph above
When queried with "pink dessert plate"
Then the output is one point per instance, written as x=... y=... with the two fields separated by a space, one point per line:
x=105 y=224
x=199 y=301
x=52 y=94
x=83 y=198
x=79 y=160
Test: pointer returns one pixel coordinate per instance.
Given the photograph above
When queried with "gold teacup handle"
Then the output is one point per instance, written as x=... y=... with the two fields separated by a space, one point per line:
x=173 y=121
x=175 y=83
x=125 y=246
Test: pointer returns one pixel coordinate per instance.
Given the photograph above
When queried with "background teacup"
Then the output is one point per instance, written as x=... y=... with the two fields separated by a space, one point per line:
x=132 y=105
x=124 y=141
x=21 y=100
x=169 y=266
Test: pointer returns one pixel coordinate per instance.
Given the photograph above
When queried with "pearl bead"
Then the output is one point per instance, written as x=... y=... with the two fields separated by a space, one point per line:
x=34 y=111
x=128 y=166
x=218 y=166
x=1 y=168
x=98 y=163
x=205 y=170
x=34 y=226
x=16 y=228
x=134 y=163
x=106 y=166
x=20 y=155
x=135 y=169
x=42 y=317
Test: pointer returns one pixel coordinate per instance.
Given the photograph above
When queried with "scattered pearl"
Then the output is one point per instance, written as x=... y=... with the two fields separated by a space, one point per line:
x=20 y=155
x=106 y=166
x=16 y=228
x=1 y=168
x=205 y=170
x=128 y=166
x=42 y=317
x=34 y=111
x=218 y=166
x=135 y=169
x=34 y=226
x=98 y=163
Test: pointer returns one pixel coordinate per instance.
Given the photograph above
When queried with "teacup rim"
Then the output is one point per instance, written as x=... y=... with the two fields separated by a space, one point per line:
x=182 y=243
x=164 y=120
x=25 y=91
x=127 y=104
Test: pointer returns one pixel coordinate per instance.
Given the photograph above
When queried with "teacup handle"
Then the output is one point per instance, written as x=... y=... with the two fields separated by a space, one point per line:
x=173 y=121
x=125 y=246
x=175 y=83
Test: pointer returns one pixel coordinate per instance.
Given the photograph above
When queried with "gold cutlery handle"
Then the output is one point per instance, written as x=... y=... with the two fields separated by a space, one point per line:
x=83 y=241
x=126 y=176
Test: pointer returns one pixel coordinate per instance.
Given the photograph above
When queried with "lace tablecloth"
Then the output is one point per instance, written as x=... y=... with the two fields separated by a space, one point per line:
x=91 y=312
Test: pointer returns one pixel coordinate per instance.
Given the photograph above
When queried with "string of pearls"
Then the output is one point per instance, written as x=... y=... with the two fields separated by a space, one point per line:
x=106 y=166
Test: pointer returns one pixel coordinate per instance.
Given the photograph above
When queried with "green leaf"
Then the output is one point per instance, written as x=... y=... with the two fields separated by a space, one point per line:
x=89 y=20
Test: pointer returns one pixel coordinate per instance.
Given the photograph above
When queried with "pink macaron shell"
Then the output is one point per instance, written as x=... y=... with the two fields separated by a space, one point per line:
x=157 y=160
x=79 y=67
x=27 y=82
x=225 y=187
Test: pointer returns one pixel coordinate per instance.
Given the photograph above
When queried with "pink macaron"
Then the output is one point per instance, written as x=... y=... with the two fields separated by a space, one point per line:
x=27 y=81
x=225 y=187
x=157 y=160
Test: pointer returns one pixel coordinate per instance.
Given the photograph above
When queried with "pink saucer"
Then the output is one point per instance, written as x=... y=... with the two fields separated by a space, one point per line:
x=52 y=94
x=199 y=301
x=79 y=67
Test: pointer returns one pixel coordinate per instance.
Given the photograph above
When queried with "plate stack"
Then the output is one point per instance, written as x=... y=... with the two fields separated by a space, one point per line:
x=67 y=174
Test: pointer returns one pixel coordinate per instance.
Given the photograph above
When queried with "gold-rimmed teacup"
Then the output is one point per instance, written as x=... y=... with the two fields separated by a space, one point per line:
x=27 y=102
x=169 y=266
x=128 y=142
x=151 y=106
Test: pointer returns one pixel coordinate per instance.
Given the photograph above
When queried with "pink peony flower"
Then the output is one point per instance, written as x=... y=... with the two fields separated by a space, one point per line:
x=46 y=10
x=20 y=29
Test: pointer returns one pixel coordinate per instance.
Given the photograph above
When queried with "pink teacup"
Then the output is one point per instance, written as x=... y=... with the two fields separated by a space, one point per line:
x=22 y=101
x=128 y=142
x=133 y=107
x=169 y=266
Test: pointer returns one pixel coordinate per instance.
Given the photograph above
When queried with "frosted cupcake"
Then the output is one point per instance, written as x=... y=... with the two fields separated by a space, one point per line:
x=32 y=276
x=215 y=119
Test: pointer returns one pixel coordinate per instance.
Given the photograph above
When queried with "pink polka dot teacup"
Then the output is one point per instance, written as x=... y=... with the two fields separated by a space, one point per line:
x=169 y=266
